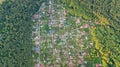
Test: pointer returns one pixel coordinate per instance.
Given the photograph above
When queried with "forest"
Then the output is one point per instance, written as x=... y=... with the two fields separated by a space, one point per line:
x=16 y=26
x=15 y=32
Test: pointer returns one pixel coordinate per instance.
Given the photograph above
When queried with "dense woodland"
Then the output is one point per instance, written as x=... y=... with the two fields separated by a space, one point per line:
x=16 y=29
x=15 y=32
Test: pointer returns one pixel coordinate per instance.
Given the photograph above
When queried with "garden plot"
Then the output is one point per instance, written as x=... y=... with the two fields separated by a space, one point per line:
x=59 y=38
